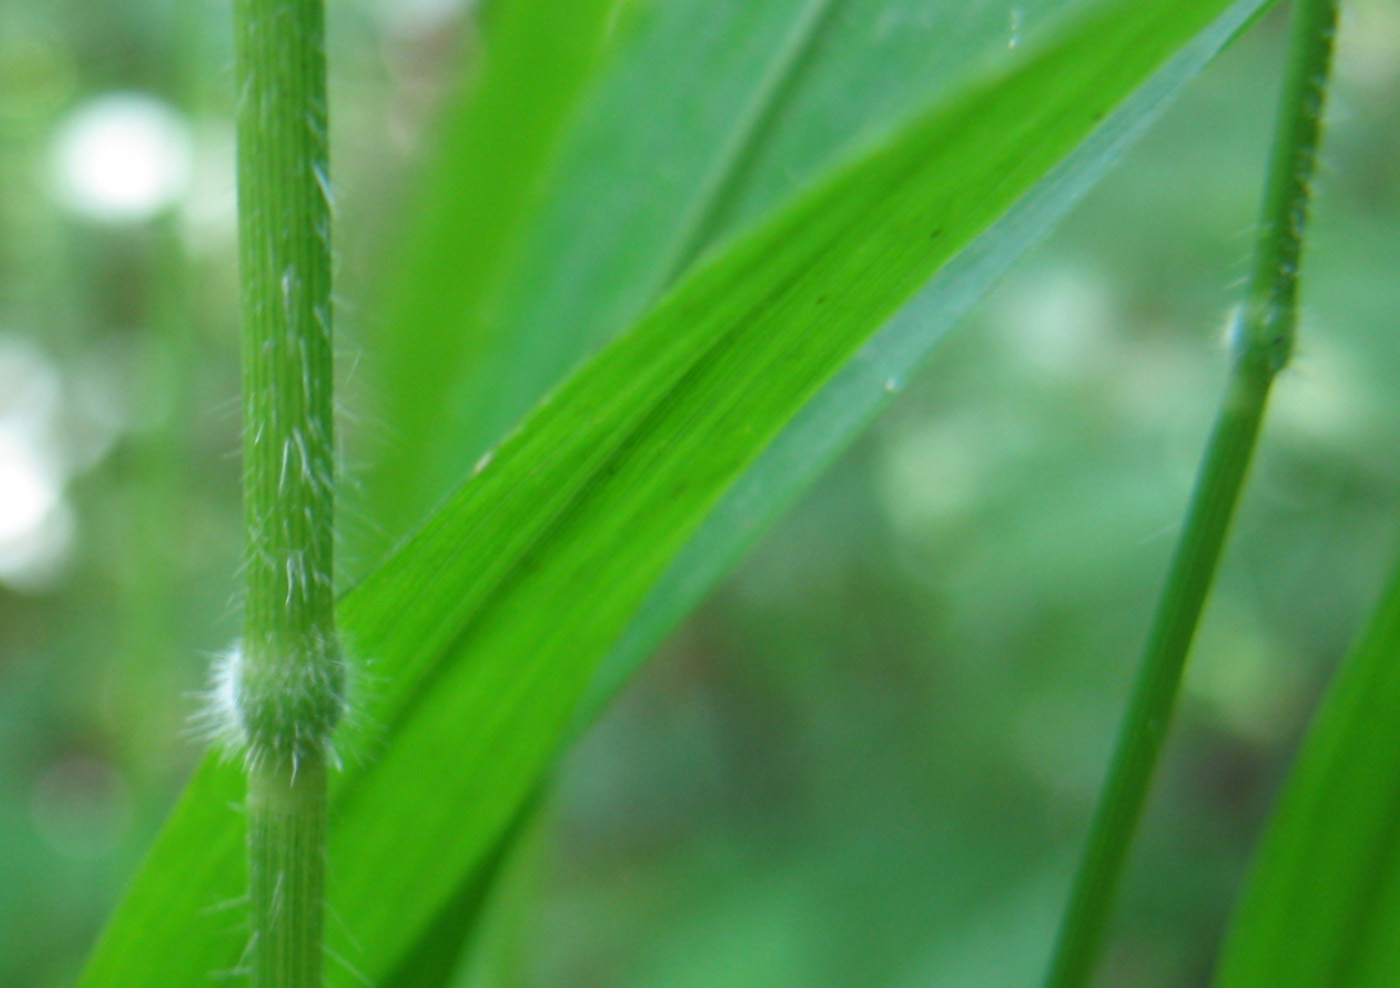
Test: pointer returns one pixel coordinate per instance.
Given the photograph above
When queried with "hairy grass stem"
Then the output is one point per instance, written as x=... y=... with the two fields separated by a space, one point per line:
x=287 y=678
x=1261 y=342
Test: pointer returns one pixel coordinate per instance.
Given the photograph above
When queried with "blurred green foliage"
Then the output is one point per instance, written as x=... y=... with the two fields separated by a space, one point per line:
x=869 y=759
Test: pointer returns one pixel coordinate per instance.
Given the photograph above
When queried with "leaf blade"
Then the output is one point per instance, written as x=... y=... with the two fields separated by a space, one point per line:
x=656 y=171
x=497 y=140
x=862 y=388
x=1322 y=899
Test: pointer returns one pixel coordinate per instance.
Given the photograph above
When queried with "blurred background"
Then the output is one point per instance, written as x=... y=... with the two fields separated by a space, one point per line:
x=870 y=757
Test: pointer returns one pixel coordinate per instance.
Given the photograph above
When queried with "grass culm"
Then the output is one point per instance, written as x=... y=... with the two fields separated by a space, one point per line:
x=287 y=677
x=1261 y=342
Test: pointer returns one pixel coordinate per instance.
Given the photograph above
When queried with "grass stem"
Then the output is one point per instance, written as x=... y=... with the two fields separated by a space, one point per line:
x=288 y=678
x=1262 y=344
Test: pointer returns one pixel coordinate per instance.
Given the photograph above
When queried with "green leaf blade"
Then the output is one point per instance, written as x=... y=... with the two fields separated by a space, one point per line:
x=655 y=171
x=1322 y=907
x=497 y=142
x=867 y=383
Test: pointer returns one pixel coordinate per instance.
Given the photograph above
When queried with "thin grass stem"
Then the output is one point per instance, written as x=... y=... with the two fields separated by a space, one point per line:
x=1262 y=343
x=287 y=680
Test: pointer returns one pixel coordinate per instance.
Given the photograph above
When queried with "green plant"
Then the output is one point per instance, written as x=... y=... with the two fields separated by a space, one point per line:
x=1261 y=343
x=285 y=683
x=770 y=317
